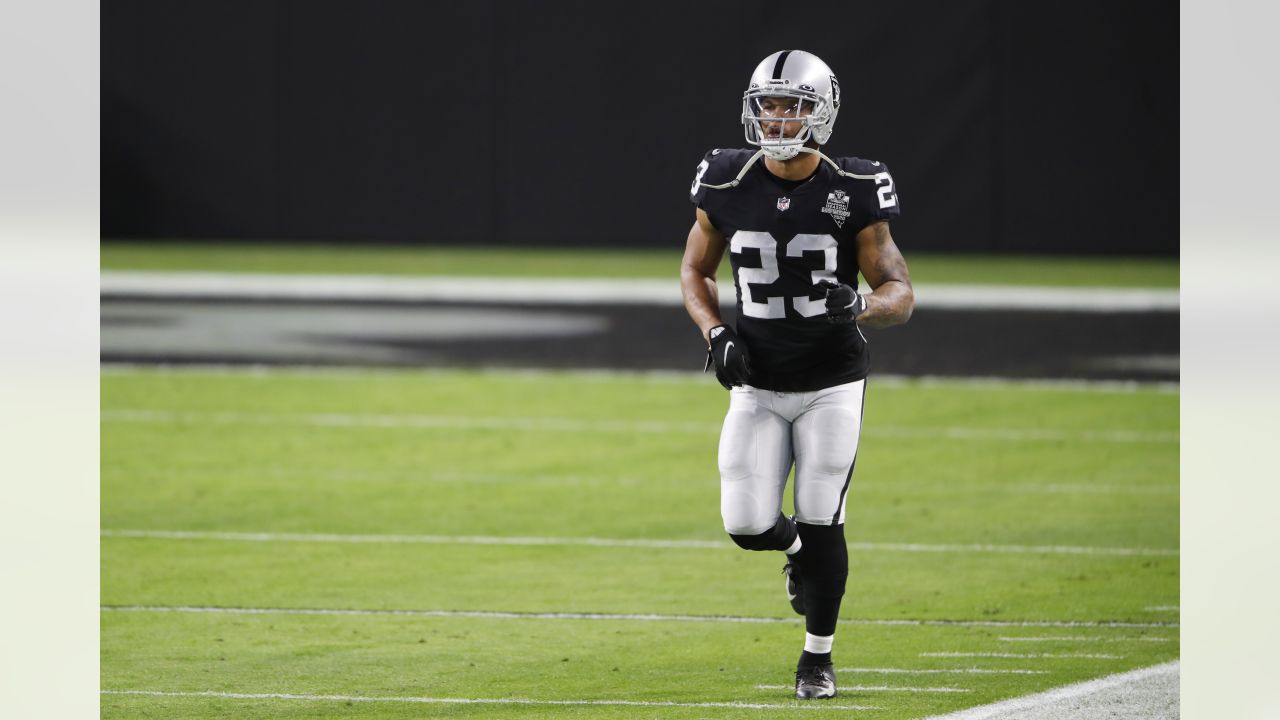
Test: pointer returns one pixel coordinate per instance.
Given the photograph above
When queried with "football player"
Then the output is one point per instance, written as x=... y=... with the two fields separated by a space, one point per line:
x=799 y=226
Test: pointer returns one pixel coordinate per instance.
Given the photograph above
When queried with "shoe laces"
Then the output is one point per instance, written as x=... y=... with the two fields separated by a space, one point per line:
x=813 y=674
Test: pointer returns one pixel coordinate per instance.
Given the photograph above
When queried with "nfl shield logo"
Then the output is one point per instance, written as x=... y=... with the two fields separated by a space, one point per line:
x=784 y=203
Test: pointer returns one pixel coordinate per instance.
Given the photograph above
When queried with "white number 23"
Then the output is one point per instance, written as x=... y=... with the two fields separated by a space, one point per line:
x=887 y=197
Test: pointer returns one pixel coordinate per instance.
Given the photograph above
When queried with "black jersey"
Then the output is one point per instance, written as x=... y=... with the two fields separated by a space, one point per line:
x=783 y=239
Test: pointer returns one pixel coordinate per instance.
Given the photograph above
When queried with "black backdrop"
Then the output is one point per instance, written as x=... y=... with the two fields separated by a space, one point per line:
x=1009 y=126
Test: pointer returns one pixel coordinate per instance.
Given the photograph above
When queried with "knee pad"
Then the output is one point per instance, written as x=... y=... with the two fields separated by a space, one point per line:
x=778 y=537
x=744 y=512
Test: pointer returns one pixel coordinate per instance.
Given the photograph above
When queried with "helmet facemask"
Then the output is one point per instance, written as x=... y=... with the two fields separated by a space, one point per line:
x=781 y=120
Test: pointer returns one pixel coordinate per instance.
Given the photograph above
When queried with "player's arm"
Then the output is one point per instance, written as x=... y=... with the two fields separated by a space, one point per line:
x=891 y=299
x=702 y=253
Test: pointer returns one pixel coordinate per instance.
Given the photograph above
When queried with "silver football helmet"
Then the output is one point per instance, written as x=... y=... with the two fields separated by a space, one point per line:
x=793 y=97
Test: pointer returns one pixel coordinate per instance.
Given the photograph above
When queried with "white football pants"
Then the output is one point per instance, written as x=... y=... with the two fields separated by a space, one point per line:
x=765 y=432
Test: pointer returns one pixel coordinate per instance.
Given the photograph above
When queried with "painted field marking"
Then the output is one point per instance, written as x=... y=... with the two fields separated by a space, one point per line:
x=1085 y=489
x=424 y=475
x=408 y=475
x=610 y=542
x=1161 y=608
x=1023 y=434
x=1023 y=656
x=586 y=291
x=1021 y=549
x=1039 y=705
x=887 y=381
x=445 y=422
x=1084 y=638
x=480 y=701
x=942 y=671
x=653 y=617
x=414 y=539
x=553 y=424
x=878 y=688
x=1123 y=387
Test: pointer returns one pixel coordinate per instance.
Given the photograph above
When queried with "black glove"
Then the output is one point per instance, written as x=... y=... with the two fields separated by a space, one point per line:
x=729 y=355
x=844 y=304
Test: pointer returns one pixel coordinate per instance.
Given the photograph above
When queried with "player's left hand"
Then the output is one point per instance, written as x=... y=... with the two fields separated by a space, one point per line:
x=844 y=304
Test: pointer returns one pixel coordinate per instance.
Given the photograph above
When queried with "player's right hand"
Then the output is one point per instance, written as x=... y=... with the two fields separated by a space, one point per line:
x=729 y=355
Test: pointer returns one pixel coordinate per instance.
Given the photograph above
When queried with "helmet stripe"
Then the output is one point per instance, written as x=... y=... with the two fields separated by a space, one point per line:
x=777 y=67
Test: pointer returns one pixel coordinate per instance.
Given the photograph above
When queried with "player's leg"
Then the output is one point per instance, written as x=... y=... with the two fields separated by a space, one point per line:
x=825 y=438
x=754 y=459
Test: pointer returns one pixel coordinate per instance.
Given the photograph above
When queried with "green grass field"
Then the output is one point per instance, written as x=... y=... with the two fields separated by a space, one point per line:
x=588 y=262
x=485 y=502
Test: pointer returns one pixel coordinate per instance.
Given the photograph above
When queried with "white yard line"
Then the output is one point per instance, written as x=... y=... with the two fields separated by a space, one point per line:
x=645 y=617
x=1024 y=656
x=612 y=542
x=416 y=539
x=987 y=384
x=1150 y=693
x=1161 y=608
x=1083 y=638
x=578 y=425
x=588 y=291
x=878 y=688
x=1016 y=549
x=1090 y=489
x=890 y=381
x=479 y=701
x=427 y=475
x=447 y=422
x=943 y=671
x=1022 y=434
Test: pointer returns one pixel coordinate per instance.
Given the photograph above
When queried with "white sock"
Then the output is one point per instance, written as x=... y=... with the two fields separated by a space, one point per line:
x=795 y=546
x=818 y=644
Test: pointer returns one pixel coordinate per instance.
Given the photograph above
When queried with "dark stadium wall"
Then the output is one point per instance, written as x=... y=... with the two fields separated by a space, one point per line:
x=1009 y=127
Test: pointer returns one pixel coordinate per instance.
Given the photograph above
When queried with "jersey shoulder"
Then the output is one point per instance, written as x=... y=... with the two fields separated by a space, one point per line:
x=724 y=164
x=871 y=187
x=861 y=166
x=718 y=167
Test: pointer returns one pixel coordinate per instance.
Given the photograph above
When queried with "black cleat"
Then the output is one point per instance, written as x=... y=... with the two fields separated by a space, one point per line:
x=815 y=682
x=794 y=591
